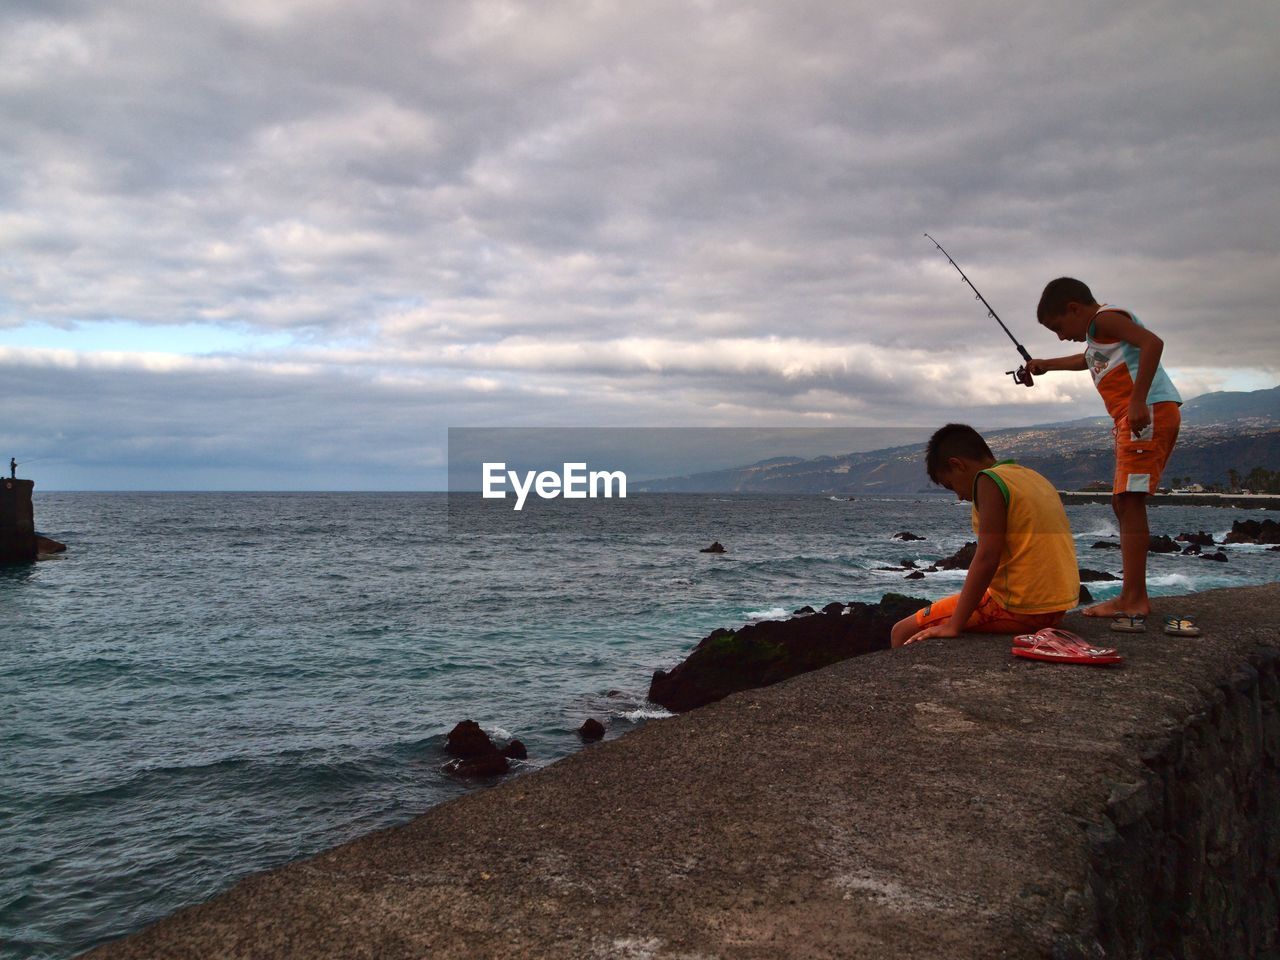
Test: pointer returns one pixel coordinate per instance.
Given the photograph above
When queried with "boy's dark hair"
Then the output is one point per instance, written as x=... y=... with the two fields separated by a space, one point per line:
x=1058 y=293
x=954 y=440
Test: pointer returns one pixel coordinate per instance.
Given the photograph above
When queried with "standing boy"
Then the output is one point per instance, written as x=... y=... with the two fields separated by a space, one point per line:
x=1124 y=358
x=1023 y=575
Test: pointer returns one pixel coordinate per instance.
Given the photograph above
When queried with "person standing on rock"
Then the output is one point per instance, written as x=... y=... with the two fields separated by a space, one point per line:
x=1023 y=576
x=1124 y=358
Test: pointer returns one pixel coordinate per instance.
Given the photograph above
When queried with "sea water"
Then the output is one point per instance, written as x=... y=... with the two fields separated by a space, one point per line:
x=209 y=685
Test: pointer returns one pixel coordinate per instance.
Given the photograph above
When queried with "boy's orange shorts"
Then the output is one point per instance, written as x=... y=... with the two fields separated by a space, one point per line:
x=990 y=617
x=1139 y=463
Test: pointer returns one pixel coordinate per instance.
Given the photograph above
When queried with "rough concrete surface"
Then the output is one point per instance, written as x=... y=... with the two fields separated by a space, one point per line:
x=936 y=801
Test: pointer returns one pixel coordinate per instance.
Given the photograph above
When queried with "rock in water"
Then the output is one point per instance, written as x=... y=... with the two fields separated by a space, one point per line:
x=961 y=559
x=716 y=547
x=1193 y=550
x=591 y=729
x=1220 y=556
x=1254 y=531
x=467 y=740
x=476 y=754
x=1095 y=575
x=760 y=654
x=1201 y=538
x=46 y=545
x=1107 y=545
x=906 y=535
x=1162 y=544
x=914 y=575
x=1085 y=595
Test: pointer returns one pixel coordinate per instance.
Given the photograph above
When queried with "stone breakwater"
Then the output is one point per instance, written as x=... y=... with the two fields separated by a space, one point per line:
x=945 y=800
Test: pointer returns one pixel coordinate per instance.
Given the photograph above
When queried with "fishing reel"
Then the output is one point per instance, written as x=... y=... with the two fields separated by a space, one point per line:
x=1022 y=375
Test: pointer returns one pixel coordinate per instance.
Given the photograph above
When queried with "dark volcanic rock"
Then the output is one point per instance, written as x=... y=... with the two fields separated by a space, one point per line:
x=1220 y=556
x=961 y=559
x=591 y=729
x=1254 y=531
x=759 y=654
x=476 y=754
x=803 y=611
x=906 y=535
x=907 y=563
x=1193 y=550
x=1276 y=547
x=1157 y=544
x=1085 y=595
x=833 y=609
x=716 y=547
x=48 y=545
x=914 y=575
x=1094 y=576
x=1201 y=538
x=468 y=740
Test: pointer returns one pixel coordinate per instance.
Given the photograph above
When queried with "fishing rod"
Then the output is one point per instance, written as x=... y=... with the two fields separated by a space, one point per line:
x=1022 y=375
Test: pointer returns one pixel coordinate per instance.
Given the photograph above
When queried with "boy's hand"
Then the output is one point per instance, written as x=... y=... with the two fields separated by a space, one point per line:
x=941 y=630
x=1037 y=367
x=1139 y=416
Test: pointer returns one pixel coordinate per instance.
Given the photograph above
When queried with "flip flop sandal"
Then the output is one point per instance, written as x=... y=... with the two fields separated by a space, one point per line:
x=1181 y=627
x=1129 y=623
x=1053 y=650
x=1063 y=636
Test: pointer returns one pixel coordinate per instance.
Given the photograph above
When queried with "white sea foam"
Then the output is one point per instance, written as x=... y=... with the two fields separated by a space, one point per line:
x=1097 y=533
x=771 y=613
x=1188 y=583
x=1244 y=547
x=645 y=713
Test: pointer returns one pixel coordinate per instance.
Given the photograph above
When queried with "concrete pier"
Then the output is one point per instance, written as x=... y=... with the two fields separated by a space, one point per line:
x=944 y=800
x=1234 y=501
x=17 y=521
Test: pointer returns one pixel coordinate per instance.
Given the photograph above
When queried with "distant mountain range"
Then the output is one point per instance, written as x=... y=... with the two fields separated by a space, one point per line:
x=1220 y=432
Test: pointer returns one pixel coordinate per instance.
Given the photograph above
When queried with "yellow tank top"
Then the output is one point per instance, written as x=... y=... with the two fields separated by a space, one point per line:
x=1038 y=571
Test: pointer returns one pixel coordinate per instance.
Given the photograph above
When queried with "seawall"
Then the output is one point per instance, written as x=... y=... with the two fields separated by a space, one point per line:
x=945 y=800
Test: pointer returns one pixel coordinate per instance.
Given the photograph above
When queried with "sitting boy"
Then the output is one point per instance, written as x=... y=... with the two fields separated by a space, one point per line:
x=1023 y=575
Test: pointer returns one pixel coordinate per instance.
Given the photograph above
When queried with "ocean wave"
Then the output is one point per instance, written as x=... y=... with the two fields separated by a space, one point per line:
x=1190 y=583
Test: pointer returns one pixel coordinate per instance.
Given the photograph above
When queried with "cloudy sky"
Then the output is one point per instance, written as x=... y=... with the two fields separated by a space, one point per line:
x=254 y=244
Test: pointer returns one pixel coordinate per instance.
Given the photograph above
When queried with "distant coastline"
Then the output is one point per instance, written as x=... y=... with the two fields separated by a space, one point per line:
x=1237 y=501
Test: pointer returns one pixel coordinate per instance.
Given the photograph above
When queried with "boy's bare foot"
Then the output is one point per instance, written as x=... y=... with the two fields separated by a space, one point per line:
x=1117 y=607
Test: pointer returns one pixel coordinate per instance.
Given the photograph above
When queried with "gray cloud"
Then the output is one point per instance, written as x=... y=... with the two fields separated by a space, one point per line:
x=533 y=208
